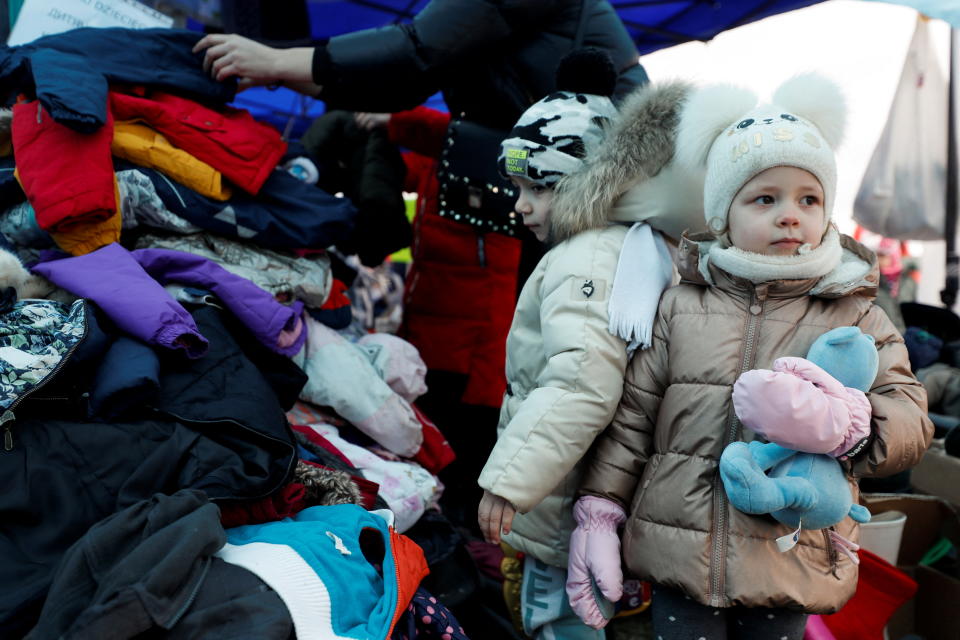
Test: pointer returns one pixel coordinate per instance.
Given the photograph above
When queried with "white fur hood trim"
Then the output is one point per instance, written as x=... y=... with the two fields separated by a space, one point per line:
x=638 y=145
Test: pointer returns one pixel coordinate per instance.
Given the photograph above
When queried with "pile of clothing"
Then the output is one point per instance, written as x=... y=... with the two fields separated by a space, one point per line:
x=179 y=310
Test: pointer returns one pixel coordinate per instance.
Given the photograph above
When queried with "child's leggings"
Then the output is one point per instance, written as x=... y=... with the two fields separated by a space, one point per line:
x=678 y=617
x=545 y=608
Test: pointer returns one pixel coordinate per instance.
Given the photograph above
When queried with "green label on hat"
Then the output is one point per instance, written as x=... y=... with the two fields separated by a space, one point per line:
x=516 y=162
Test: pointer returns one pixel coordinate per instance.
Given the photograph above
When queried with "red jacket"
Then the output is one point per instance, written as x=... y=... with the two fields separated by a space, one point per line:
x=457 y=311
x=67 y=177
x=230 y=140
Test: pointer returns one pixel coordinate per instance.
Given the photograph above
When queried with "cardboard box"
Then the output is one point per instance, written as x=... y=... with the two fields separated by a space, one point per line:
x=938 y=474
x=934 y=612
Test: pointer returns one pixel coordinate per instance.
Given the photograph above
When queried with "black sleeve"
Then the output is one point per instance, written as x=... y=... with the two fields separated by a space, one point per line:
x=399 y=66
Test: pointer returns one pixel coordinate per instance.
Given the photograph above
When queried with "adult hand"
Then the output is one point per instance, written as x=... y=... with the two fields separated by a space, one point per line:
x=371 y=121
x=494 y=515
x=229 y=55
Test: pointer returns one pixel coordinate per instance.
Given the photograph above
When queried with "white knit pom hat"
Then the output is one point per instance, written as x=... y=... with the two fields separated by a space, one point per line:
x=723 y=129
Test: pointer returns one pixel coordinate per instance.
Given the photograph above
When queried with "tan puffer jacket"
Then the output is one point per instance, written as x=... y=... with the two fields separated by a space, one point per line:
x=659 y=458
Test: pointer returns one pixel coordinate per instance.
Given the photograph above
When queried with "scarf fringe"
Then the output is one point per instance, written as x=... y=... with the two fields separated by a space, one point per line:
x=636 y=332
x=644 y=270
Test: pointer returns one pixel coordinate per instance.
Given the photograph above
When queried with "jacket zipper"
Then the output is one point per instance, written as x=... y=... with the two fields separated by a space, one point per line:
x=173 y=188
x=831 y=550
x=481 y=251
x=396 y=568
x=192 y=596
x=719 y=537
x=290 y=467
x=8 y=418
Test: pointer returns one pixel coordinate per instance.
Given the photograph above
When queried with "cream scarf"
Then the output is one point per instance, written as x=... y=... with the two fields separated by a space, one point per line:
x=644 y=270
x=807 y=263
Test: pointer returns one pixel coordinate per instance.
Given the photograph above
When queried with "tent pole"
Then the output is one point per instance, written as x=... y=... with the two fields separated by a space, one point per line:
x=949 y=294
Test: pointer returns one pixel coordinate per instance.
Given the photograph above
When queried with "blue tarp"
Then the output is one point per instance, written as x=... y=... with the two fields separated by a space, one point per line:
x=654 y=24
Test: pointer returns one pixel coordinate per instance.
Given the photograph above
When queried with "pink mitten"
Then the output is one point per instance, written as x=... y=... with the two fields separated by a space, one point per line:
x=800 y=406
x=594 y=551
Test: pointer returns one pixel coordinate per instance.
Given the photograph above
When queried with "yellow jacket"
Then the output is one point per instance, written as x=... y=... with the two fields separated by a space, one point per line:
x=142 y=145
x=86 y=236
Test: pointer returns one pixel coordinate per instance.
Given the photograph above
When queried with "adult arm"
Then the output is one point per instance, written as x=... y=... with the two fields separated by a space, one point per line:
x=385 y=69
x=421 y=129
x=399 y=66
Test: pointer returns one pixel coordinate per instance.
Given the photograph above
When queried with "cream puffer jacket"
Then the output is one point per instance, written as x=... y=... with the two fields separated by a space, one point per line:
x=659 y=458
x=564 y=368
x=564 y=379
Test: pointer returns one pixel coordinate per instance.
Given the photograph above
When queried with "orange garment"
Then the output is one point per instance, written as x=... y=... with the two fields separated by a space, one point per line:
x=244 y=150
x=146 y=147
x=411 y=566
x=87 y=236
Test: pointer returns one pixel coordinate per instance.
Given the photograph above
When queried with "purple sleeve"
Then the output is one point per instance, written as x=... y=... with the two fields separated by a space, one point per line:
x=255 y=308
x=136 y=303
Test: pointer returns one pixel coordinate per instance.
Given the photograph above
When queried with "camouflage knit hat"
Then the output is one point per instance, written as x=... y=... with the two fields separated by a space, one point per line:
x=552 y=137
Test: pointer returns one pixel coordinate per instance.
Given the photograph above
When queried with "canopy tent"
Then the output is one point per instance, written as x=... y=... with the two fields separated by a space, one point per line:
x=653 y=24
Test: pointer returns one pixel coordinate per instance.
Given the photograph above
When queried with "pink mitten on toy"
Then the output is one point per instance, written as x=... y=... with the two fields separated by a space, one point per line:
x=595 y=558
x=800 y=406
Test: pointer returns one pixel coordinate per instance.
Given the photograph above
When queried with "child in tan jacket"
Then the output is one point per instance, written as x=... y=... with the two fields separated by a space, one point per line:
x=773 y=275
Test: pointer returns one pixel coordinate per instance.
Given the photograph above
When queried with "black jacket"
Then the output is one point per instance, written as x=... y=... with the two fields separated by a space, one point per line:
x=217 y=427
x=69 y=72
x=492 y=59
x=151 y=567
x=370 y=171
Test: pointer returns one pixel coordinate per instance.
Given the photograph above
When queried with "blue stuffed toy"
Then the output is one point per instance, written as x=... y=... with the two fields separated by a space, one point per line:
x=796 y=487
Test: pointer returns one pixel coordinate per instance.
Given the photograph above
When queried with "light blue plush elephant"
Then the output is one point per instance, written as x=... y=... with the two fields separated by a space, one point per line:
x=793 y=486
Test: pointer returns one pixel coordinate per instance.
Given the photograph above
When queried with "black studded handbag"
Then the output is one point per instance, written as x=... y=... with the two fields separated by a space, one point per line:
x=472 y=191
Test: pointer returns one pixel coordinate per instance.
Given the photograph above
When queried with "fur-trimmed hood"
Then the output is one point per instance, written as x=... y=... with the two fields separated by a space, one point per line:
x=630 y=177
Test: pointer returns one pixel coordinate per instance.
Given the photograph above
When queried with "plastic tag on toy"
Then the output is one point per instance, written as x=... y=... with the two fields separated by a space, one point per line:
x=789 y=541
x=606 y=607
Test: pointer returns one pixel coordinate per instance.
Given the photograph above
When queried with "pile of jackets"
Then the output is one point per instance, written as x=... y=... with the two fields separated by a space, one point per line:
x=179 y=311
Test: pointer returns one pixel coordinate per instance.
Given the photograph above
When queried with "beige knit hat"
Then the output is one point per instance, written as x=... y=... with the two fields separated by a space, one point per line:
x=723 y=129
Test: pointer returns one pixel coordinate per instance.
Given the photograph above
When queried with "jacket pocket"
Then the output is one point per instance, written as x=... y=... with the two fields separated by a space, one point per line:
x=646 y=479
x=208 y=121
x=229 y=136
